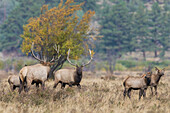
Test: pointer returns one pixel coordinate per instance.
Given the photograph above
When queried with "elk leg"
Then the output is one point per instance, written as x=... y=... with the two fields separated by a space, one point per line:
x=27 y=86
x=70 y=85
x=55 y=85
x=129 y=91
x=124 y=93
x=20 y=88
x=155 y=90
x=151 y=90
x=144 y=93
x=63 y=85
x=79 y=86
x=11 y=87
x=37 y=85
x=43 y=85
x=21 y=85
x=14 y=87
x=140 y=93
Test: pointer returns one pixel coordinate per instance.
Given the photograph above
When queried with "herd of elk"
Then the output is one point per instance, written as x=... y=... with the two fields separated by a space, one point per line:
x=137 y=83
x=142 y=83
x=39 y=73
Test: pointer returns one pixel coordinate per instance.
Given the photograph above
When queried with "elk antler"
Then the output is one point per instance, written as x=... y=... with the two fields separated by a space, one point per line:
x=69 y=60
x=156 y=68
x=32 y=52
x=89 y=60
x=57 y=49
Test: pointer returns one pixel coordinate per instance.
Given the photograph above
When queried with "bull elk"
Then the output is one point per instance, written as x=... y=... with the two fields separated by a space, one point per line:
x=155 y=78
x=69 y=76
x=37 y=73
x=137 y=83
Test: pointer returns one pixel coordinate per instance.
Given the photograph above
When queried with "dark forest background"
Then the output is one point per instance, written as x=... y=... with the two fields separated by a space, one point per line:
x=130 y=32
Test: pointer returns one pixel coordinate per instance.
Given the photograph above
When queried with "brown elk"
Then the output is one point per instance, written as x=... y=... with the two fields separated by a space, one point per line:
x=155 y=78
x=137 y=83
x=69 y=76
x=13 y=81
x=37 y=73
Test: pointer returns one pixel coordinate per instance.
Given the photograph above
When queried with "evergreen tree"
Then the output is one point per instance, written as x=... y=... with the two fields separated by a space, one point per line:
x=165 y=28
x=141 y=30
x=6 y=6
x=155 y=19
x=12 y=28
x=116 y=30
x=89 y=5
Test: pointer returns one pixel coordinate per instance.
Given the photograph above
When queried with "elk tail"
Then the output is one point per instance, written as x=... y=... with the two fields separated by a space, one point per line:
x=125 y=80
x=9 y=79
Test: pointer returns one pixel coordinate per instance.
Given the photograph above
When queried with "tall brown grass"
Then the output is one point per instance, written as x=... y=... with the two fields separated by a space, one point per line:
x=96 y=96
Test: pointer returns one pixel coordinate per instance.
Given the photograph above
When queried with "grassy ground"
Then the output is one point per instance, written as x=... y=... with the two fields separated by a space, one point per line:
x=96 y=96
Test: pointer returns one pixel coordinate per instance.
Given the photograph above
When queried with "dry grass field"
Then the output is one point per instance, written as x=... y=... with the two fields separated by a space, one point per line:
x=96 y=96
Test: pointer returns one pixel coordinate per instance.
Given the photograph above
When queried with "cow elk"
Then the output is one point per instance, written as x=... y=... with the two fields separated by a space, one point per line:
x=155 y=78
x=13 y=81
x=37 y=73
x=137 y=83
x=69 y=76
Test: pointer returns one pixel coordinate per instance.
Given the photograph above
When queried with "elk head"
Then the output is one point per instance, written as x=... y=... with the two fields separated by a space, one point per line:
x=44 y=61
x=148 y=77
x=160 y=72
x=79 y=68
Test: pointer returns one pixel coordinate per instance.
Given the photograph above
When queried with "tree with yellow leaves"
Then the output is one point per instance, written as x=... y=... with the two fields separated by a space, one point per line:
x=58 y=26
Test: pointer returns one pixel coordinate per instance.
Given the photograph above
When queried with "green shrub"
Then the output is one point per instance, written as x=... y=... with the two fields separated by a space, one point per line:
x=120 y=67
x=1 y=64
x=127 y=63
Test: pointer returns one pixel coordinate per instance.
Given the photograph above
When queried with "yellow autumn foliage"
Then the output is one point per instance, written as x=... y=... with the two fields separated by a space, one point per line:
x=59 y=25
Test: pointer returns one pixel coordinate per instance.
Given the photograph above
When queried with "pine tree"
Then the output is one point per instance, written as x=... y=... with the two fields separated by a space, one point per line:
x=12 y=28
x=141 y=30
x=165 y=28
x=116 y=30
x=155 y=27
x=6 y=6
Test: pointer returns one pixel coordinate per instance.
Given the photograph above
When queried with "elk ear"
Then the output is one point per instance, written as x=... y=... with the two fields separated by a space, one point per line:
x=150 y=73
x=41 y=62
x=163 y=69
x=156 y=69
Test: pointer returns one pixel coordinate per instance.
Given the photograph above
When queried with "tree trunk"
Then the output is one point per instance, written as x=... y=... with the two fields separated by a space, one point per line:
x=156 y=54
x=112 y=64
x=162 y=54
x=144 y=55
x=57 y=66
x=110 y=68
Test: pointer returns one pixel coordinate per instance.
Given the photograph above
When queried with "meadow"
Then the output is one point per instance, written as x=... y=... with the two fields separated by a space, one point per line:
x=96 y=96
